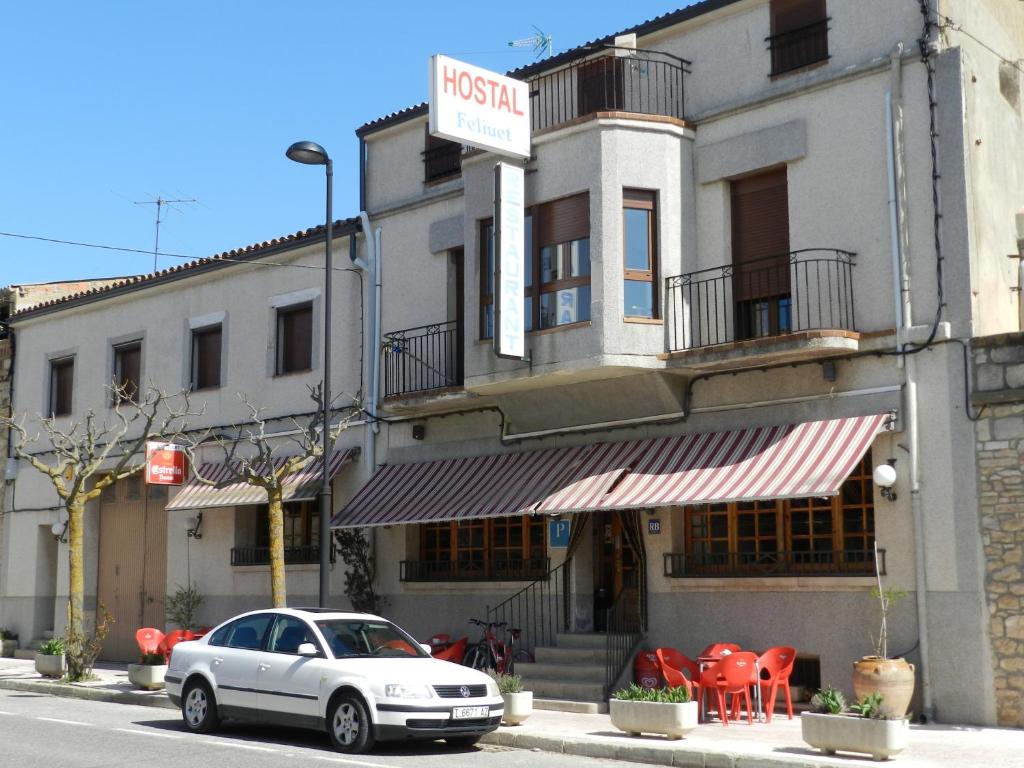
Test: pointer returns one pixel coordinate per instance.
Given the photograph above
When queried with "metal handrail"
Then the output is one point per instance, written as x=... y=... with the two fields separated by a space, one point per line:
x=540 y=610
x=624 y=629
x=840 y=562
x=303 y=555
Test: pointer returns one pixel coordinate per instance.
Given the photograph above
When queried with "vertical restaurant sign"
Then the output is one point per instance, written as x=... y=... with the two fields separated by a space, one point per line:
x=478 y=107
x=509 y=262
x=165 y=464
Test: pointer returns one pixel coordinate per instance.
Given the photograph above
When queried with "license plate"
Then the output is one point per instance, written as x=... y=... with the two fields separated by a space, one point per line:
x=463 y=713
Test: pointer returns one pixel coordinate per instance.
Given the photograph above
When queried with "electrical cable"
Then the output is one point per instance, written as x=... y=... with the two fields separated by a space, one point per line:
x=950 y=24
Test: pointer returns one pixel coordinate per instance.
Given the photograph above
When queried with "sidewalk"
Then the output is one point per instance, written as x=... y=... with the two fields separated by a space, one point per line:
x=739 y=745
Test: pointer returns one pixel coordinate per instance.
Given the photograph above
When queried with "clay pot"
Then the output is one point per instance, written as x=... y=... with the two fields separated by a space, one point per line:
x=893 y=678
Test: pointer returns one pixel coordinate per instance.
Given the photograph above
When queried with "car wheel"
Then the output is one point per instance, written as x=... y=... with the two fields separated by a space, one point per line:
x=198 y=707
x=349 y=725
x=462 y=742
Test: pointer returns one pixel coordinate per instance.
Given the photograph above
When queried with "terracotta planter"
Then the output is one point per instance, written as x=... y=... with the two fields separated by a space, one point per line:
x=148 y=677
x=849 y=733
x=50 y=666
x=893 y=678
x=518 y=707
x=636 y=717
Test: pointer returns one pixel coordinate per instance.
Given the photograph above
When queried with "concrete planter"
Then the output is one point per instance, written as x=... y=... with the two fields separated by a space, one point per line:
x=518 y=707
x=636 y=717
x=849 y=733
x=50 y=666
x=148 y=677
x=7 y=648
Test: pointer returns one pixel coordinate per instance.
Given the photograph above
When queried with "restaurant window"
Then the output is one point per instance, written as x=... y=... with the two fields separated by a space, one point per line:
x=557 y=266
x=441 y=158
x=799 y=34
x=62 y=379
x=301 y=534
x=813 y=536
x=127 y=372
x=760 y=255
x=206 y=353
x=294 y=338
x=506 y=548
x=639 y=254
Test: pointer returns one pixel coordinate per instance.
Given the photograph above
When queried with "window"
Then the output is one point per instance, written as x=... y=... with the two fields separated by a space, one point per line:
x=248 y=633
x=127 y=372
x=62 y=378
x=301 y=534
x=799 y=34
x=206 y=352
x=441 y=158
x=557 y=269
x=786 y=536
x=295 y=338
x=288 y=634
x=480 y=550
x=760 y=255
x=639 y=254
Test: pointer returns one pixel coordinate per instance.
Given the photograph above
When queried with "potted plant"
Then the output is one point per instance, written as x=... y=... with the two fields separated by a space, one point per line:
x=831 y=726
x=182 y=608
x=50 y=658
x=518 y=703
x=669 y=711
x=891 y=679
x=148 y=674
x=8 y=642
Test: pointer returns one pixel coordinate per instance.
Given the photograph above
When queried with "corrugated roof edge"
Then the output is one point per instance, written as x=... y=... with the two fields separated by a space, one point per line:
x=644 y=28
x=342 y=228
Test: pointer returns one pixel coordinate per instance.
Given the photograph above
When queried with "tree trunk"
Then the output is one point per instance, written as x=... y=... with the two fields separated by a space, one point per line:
x=277 y=588
x=75 y=634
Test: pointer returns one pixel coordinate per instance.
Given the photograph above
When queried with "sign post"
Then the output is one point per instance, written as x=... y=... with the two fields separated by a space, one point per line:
x=165 y=464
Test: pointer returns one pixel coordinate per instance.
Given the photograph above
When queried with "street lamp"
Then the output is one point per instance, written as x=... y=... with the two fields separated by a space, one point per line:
x=311 y=153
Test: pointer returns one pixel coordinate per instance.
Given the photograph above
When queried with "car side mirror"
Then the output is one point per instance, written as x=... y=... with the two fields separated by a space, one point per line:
x=427 y=647
x=307 y=649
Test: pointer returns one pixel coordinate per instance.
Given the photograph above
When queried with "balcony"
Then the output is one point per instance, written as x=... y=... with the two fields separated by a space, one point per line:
x=794 y=305
x=441 y=159
x=419 y=360
x=797 y=48
x=305 y=555
x=621 y=80
x=515 y=569
x=844 y=562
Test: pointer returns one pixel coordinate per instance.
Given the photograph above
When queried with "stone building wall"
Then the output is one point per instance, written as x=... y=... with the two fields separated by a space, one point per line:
x=999 y=390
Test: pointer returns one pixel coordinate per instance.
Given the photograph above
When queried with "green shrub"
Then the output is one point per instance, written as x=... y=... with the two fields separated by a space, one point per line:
x=8 y=634
x=506 y=683
x=869 y=706
x=52 y=647
x=153 y=659
x=677 y=695
x=828 y=701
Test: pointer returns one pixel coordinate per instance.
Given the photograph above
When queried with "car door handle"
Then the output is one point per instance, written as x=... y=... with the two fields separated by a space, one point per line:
x=264 y=667
x=217 y=660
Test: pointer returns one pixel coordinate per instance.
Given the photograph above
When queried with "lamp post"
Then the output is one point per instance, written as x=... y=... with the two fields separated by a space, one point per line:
x=311 y=153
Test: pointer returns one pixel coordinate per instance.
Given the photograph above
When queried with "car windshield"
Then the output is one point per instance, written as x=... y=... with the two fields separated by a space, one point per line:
x=357 y=638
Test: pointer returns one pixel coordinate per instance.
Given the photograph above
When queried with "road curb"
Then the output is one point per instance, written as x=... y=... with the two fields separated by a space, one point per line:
x=73 y=691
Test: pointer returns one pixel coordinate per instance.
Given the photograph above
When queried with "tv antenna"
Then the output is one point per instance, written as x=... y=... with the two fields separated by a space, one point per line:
x=539 y=41
x=160 y=204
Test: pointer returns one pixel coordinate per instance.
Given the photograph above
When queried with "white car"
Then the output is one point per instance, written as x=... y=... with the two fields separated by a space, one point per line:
x=355 y=675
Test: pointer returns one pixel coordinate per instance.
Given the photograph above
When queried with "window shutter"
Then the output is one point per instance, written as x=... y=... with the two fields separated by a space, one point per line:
x=760 y=230
x=563 y=220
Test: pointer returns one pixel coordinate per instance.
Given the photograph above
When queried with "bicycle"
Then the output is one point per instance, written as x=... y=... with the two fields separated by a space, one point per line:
x=490 y=652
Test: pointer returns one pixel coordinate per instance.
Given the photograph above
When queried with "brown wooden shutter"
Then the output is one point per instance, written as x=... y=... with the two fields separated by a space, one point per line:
x=788 y=15
x=207 y=357
x=760 y=230
x=563 y=220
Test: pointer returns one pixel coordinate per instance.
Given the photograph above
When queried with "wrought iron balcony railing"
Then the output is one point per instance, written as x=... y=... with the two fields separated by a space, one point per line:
x=305 y=555
x=516 y=569
x=442 y=161
x=799 y=47
x=422 y=358
x=609 y=79
x=805 y=290
x=842 y=562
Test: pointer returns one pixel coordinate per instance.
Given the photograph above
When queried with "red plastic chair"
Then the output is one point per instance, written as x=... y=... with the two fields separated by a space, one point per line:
x=149 y=640
x=455 y=652
x=715 y=649
x=776 y=665
x=733 y=675
x=678 y=669
x=172 y=638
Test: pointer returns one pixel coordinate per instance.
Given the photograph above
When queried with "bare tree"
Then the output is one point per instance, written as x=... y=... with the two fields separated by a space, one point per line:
x=81 y=460
x=256 y=457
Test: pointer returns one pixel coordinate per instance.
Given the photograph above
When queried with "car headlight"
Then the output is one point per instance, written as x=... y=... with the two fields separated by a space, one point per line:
x=404 y=691
x=492 y=689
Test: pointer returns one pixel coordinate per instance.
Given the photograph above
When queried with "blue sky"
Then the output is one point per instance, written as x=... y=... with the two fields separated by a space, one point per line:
x=107 y=104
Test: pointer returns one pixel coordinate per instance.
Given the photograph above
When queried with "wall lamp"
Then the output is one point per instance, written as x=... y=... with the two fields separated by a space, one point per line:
x=60 y=531
x=192 y=526
x=885 y=478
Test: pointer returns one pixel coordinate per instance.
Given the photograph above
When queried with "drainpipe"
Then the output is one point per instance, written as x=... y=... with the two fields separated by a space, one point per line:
x=371 y=266
x=898 y=289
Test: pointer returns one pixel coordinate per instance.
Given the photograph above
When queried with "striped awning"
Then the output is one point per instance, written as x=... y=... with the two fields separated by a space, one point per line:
x=298 y=486
x=789 y=461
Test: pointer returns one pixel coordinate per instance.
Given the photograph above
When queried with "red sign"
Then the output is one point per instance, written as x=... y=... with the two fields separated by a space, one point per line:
x=165 y=464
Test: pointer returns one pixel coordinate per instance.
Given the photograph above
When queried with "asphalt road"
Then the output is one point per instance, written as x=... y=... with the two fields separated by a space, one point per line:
x=38 y=731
